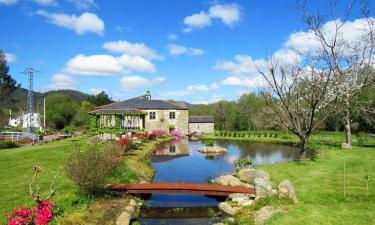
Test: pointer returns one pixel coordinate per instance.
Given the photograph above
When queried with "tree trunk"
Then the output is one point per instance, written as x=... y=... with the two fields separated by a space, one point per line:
x=348 y=128
x=302 y=153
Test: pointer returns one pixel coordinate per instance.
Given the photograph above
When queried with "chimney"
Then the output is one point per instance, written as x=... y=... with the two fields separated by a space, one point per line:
x=148 y=95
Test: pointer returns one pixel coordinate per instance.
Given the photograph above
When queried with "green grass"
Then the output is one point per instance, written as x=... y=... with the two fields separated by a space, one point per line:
x=17 y=169
x=320 y=183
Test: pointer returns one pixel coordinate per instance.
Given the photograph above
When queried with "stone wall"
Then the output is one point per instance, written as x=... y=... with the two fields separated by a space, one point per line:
x=201 y=128
x=162 y=120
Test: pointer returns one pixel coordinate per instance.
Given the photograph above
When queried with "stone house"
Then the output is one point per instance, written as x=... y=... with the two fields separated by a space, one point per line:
x=141 y=113
x=201 y=124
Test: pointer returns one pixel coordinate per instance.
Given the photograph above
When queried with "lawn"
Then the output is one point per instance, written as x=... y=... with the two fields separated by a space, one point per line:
x=320 y=183
x=17 y=169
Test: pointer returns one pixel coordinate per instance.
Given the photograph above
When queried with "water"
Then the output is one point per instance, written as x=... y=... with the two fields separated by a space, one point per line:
x=180 y=162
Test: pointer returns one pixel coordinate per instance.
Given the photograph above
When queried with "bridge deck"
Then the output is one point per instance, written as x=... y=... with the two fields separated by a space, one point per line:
x=180 y=188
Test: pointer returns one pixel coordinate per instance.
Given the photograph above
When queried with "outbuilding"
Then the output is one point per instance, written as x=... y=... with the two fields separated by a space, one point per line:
x=201 y=124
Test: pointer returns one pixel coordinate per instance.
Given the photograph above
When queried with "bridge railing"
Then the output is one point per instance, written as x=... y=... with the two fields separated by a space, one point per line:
x=16 y=136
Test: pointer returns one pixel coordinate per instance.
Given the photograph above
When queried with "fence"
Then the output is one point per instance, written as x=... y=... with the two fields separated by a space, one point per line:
x=17 y=136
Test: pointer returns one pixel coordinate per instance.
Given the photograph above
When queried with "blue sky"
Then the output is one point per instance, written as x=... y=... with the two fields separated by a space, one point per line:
x=198 y=51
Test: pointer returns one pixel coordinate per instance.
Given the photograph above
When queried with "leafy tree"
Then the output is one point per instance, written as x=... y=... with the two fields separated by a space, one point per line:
x=60 y=110
x=7 y=84
x=100 y=99
x=251 y=107
x=82 y=118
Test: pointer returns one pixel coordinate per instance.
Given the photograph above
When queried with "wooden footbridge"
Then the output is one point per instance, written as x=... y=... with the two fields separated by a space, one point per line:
x=180 y=188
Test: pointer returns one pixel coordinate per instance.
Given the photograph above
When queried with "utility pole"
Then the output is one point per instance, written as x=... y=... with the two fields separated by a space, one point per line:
x=44 y=114
x=30 y=100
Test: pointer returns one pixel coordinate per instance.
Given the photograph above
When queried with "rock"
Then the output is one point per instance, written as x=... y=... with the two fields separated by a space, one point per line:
x=286 y=189
x=212 y=150
x=346 y=146
x=228 y=209
x=263 y=186
x=242 y=199
x=231 y=181
x=264 y=214
x=123 y=219
x=248 y=175
x=130 y=212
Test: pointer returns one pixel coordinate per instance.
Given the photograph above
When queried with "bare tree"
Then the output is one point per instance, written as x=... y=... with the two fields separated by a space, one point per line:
x=300 y=97
x=349 y=54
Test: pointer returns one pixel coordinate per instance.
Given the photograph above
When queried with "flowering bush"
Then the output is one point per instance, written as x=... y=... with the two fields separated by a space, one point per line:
x=41 y=214
x=175 y=133
x=159 y=132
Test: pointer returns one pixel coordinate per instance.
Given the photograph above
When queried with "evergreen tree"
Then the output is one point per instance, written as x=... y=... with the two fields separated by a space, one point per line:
x=7 y=84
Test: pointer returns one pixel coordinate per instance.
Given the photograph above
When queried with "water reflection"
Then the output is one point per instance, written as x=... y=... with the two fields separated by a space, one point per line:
x=180 y=162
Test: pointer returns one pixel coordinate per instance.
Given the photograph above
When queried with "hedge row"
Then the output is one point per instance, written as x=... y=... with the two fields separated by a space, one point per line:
x=254 y=134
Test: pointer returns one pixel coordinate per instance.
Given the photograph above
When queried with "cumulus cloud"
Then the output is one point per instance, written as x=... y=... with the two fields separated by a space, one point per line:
x=130 y=83
x=135 y=49
x=172 y=36
x=244 y=81
x=137 y=63
x=229 y=14
x=87 y=22
x=176 y=50
x=10 y=57
x=62 y=81
x=8 y=2
x=208 y=100
x=107 y=65
x=191 y=90
x=94 y=65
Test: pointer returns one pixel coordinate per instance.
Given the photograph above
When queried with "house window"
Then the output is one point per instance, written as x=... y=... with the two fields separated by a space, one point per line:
x=152 y=115
x=172 y=149
x=172 y=115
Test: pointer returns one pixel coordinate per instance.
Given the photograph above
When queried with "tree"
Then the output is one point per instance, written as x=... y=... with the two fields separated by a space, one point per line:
x=300 y=97
x=100 y=99
x=60 y=110
x=251 y=107
x=7 y=84
x=349 y=55
x=225 y=115
x=82 y=117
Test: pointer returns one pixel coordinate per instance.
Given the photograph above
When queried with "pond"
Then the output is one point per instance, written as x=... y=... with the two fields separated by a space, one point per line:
x=180 y=162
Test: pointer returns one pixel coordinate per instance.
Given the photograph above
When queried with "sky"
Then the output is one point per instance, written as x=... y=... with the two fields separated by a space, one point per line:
x=196 y=51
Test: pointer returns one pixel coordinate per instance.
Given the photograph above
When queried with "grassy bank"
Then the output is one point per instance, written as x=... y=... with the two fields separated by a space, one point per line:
x=16 y=171
x=320 y=183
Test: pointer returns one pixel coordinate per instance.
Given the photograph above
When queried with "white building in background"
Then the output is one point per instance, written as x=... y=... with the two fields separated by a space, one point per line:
x=24 y=121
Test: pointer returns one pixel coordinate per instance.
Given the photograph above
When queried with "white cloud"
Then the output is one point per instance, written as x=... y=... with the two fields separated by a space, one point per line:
x=83 y=4
x=96 y=91
x=8 y=2
x=176 y=50
x=137 y=63
x=135 y=49
x=130 y=83
x=229 y=14
x=87 y=22
x=244 y=81
x=212 y=99
x=198 y=20
x=191 y=90
x=172 y=36
x=242 y=64
x=62 y=81
x=94 y=65
x=10 y=57
x=107 y=65
x=46 y=2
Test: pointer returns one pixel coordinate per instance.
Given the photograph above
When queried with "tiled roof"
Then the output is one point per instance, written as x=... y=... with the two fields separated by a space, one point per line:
x=115 y=110
x=142 y=102
x=201 y=119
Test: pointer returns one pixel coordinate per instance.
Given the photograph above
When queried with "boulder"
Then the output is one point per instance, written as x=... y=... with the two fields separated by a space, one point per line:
x=286 y=190
x=242 y=199
x=231 y=181
x=228 y=209
x=123 y=219
x=248 y=175
x=212 y=150
x=130 y=212
x=263 y=186
x=264 y=214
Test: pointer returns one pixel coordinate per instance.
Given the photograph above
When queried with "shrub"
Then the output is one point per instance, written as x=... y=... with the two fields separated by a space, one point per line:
x=235 y=134
x=8 y=144
x=40 y=215
x=175 y=133
x=90 y=167
x=240 y=164
x=209 y=142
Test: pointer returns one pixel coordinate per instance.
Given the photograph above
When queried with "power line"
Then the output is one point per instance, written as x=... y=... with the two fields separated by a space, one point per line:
x=30 y=99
